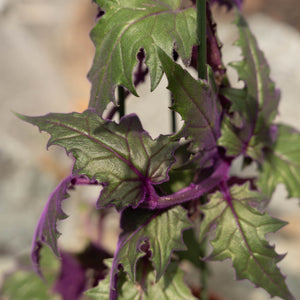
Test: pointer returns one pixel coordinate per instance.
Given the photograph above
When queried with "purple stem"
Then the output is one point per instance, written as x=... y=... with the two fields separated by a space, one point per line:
x=192 y=192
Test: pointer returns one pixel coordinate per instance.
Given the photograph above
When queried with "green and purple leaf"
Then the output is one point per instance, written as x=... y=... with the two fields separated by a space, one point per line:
x=282 y=163
x=125 y=28
x=197 y=103
x=122 y=157
x=240 y=236
x=149 y=233
x=172 y=287
x=256 y=104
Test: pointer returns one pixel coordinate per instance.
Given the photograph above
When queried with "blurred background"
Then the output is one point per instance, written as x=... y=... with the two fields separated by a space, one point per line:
x=45 y=54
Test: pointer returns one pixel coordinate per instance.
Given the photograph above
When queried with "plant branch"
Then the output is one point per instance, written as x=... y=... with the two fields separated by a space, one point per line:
x=192 y=192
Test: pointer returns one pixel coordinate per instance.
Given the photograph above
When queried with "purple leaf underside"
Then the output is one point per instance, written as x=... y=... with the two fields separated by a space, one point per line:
x=71 y=281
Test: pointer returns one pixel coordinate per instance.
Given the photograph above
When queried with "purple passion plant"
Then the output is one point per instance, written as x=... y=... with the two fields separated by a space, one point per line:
x=173 y=193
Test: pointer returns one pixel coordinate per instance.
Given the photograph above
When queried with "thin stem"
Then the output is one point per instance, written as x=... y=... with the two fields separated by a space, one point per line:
x=201 y=33
x=173 y=114
x=173 y=117
x=202 y=74
x=121 y=99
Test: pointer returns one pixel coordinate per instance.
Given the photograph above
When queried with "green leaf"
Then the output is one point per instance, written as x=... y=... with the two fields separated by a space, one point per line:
x=256 y=104
x=125 y=28
x=192 y=253
x=179 y=179
x=170 y=287
x=282 y=163
x=240 y=235
x=122 y=157
x=197 y=103
x=25 y=284
x=144 y=231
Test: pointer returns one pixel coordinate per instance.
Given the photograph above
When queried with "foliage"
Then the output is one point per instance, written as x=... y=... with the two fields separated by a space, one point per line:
x=175 y=192
x=26 y=284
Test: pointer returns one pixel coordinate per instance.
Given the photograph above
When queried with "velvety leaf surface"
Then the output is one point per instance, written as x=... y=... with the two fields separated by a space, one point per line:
x=196 y=101
x=240 y=235
x=145 y=231
x=282 y=163
x=258 y=107
x=122 y=157
x=125 y=28
x=170 y=287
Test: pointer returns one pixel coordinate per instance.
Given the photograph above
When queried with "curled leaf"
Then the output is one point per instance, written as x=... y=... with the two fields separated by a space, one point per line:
x=46 y=230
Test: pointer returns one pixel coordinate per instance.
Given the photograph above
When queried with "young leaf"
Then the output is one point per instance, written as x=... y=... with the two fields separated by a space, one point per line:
x=197 y=103
x=282 y=163
x=171 y=287
x=240 y=236
x=144 y=231
x=256 y=104
x=125 y=28
x=122 y=157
